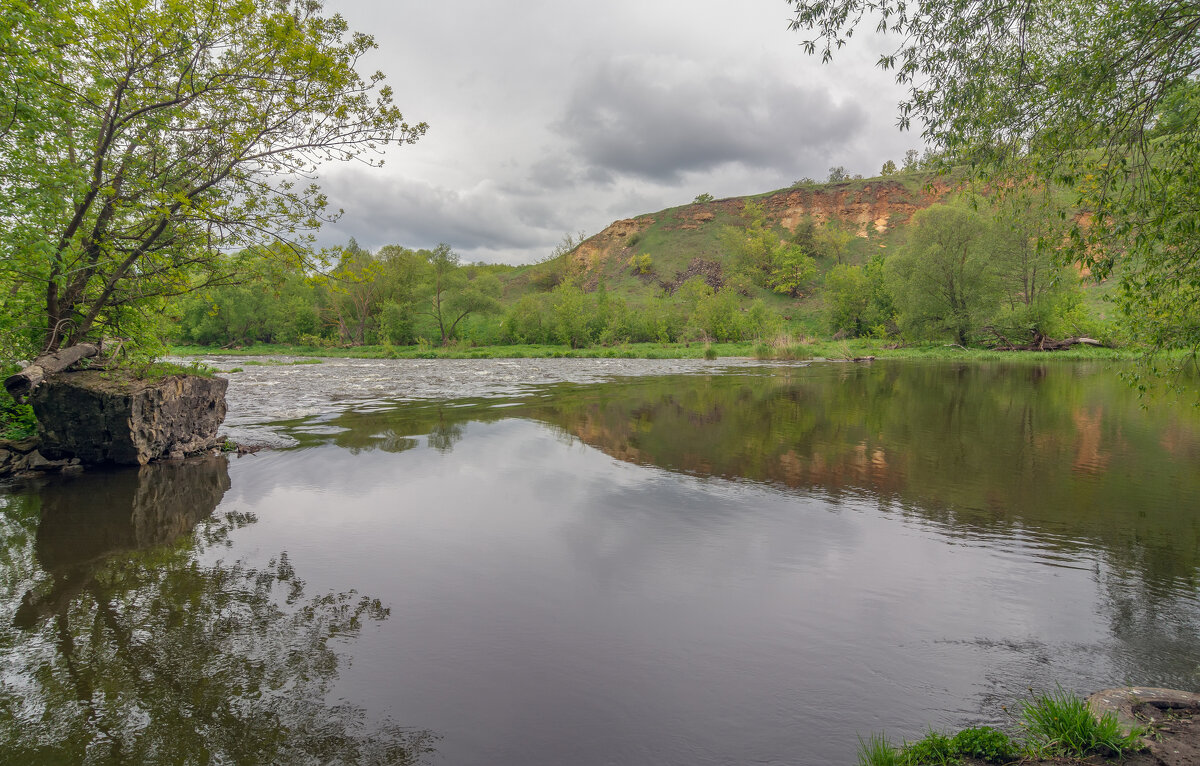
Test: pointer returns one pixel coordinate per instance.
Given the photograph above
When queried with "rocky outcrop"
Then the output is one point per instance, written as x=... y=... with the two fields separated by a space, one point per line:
x=108 y=417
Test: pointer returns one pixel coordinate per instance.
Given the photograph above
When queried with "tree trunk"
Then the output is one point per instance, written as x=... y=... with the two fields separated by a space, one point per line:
x=20 y=384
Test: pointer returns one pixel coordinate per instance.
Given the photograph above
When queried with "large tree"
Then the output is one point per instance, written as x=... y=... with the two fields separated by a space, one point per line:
x=452 y=292
x=943 y=280
x=142 y=139
x=1100 y=95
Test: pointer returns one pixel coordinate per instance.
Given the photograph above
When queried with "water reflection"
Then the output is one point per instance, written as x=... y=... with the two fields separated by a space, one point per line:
x=129 y=645
x=1063 y=451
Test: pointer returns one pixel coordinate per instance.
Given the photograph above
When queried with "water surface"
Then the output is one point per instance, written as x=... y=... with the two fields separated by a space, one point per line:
x=697 y=565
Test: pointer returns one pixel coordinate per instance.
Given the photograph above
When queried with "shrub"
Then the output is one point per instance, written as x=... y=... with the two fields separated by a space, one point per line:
x=16 y=420
x=931 y=750
x=986 y=744
x=641 y=264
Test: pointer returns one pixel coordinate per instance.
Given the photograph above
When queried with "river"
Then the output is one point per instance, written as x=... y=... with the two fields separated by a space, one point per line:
x=604 y=562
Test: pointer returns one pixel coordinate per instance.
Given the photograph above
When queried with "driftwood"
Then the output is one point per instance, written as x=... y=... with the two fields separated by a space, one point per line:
x=22 y=383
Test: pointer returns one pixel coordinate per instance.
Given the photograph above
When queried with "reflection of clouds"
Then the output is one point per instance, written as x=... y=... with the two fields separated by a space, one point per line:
x=522 y=570
x=556 y=604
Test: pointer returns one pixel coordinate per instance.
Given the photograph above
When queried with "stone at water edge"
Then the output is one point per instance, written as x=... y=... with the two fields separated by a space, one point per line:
x=108 y=417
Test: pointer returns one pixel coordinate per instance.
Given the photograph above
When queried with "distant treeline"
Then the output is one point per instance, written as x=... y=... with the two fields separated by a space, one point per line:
x=968 y=272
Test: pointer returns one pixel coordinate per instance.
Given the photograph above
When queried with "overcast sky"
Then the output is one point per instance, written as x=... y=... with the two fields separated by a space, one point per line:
x=555 y=116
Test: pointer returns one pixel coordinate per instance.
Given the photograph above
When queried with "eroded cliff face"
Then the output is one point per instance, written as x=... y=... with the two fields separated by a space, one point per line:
x=867 y=208
x=863 y=209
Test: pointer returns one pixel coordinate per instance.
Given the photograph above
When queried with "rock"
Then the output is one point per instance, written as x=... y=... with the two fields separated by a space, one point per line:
x=109 y=417
x=34 y=461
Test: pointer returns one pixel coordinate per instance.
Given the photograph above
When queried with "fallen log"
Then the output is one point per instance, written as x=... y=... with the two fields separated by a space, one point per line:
x=20 y=384
x=1046 y=344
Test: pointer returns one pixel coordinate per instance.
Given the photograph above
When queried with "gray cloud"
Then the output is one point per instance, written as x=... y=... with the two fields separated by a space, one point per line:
x=382 y=209
x=660 y=119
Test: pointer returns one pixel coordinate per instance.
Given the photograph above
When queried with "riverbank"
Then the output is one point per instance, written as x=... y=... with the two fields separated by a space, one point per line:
x=1134 y=726
x=798 y=350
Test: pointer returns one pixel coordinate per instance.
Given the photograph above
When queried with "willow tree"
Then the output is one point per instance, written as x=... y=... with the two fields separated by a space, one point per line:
x=144 y=139
x=1098 y=95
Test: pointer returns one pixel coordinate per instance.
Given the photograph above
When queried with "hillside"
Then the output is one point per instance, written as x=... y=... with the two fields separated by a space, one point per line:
x=875 y=210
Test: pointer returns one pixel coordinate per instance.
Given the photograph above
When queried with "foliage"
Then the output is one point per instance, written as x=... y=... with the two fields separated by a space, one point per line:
x=641 y=264
x=832 y=240
x=791 y=270
x=1061 y=723
x=716 y=316
x=703 y=197
x=847 y=298
x=986 y=744
x=838 y=174
x=933 y=749
x=889 y=169
x=762 y=254
x=147 y=139
x=451 y=292
x=1040 y=295
x=1097 y=95
x=943 y=280
x=16 y=420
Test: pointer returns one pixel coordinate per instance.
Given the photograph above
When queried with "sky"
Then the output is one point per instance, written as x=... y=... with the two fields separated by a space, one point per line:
x=553 y=117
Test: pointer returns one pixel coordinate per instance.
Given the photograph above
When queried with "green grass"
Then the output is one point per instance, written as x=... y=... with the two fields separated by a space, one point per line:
x=159 y=370
x=786 y=348
x=1061 y=724
x=875 y=750
x=1056 y=725
x=627 y=351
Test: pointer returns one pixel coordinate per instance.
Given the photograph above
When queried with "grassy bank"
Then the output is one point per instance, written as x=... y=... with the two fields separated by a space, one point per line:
x=1053 y=726
x=785 y=349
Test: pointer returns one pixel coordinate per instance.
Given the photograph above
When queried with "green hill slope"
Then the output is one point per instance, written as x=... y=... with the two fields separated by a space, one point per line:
x=686 y=241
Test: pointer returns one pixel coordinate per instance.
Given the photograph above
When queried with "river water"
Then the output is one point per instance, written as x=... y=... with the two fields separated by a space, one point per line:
x=604 y=562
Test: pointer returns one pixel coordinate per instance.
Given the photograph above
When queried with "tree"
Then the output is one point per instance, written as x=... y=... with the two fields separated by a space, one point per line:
x=837 y=174
x=703 y=197
x=453 y=292
x=765 y=257
x=1074 y=92
x=942 y=279
x=889 y=169
x=857 y=301
x=146 y=139
x=846 y=299
x=355 y=286
x=832 y=240
x=1039 y=292
x=791 y=269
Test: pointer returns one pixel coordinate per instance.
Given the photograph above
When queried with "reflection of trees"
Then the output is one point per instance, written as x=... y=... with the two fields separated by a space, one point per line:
x=131 y=648
x=979 y=448
x=974 y=447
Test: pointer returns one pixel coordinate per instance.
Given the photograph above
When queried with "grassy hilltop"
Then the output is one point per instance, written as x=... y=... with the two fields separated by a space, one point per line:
x=691 y=241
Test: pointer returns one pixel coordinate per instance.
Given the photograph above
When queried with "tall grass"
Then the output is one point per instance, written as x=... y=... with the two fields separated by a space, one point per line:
x=1060 y=723
x=1056 y=725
